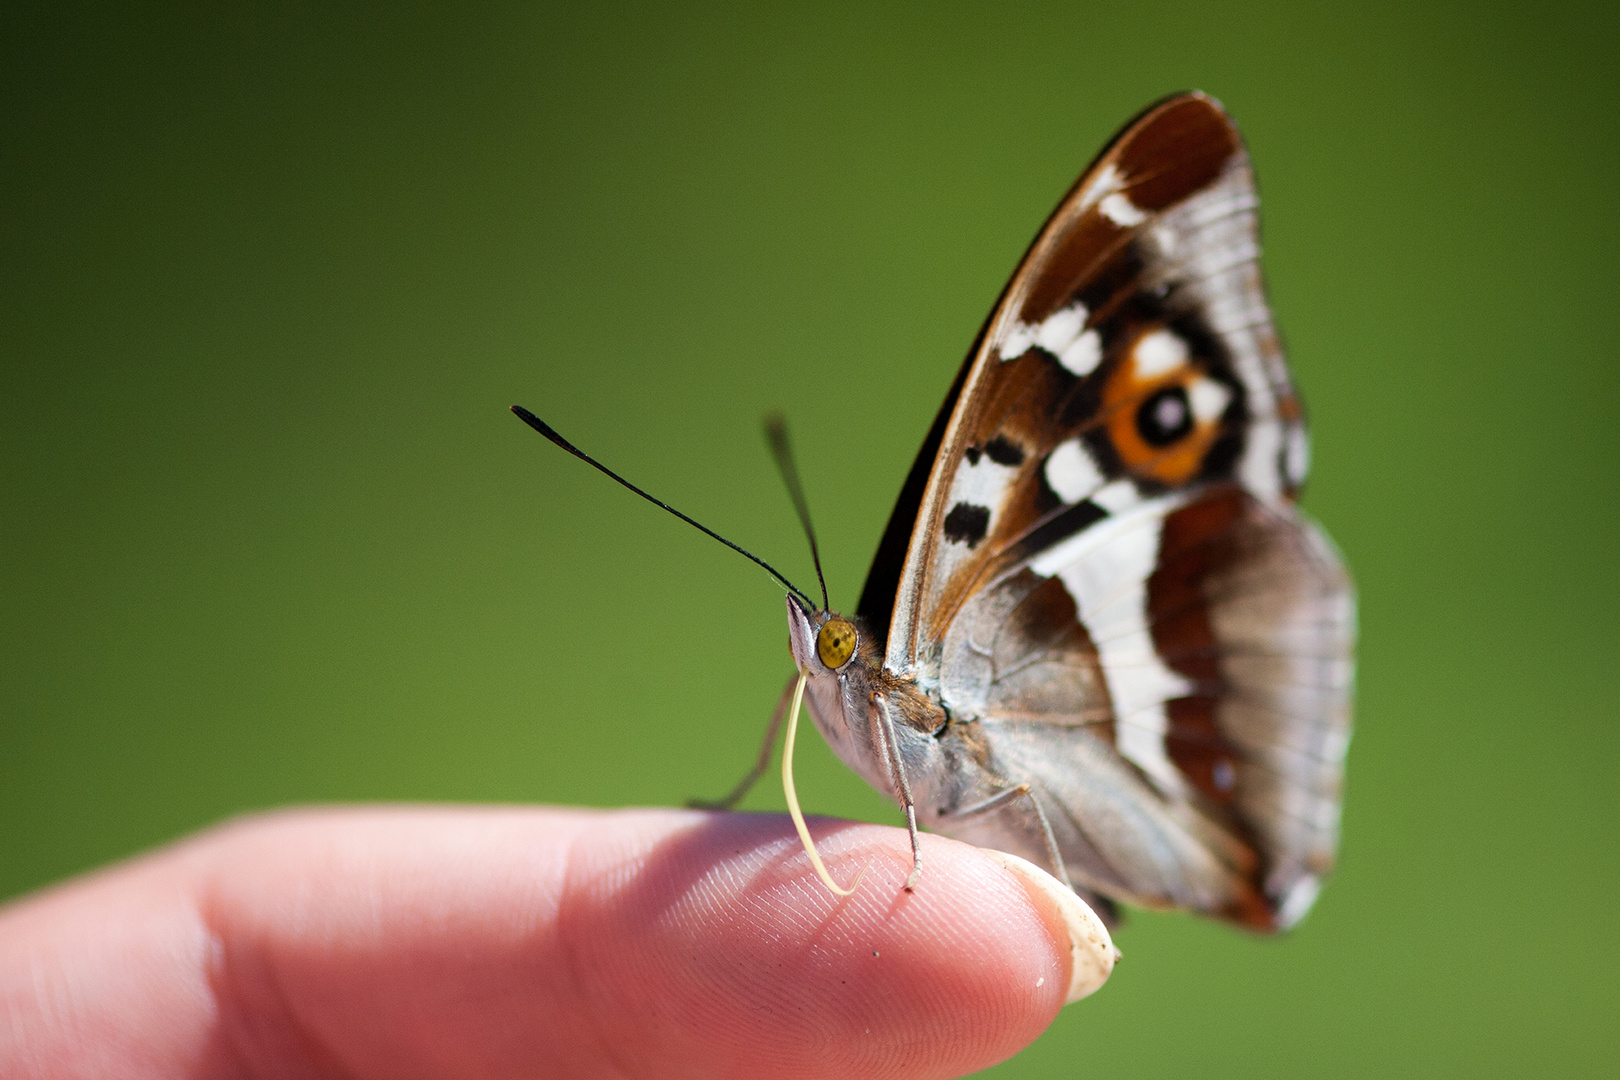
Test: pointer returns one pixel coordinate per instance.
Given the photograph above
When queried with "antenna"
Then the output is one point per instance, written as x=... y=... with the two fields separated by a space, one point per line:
x=776 y=431
x=546 y=429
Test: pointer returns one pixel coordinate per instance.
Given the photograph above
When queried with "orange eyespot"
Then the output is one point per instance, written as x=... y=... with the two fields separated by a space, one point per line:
x=835 y=644
x=1163 y=411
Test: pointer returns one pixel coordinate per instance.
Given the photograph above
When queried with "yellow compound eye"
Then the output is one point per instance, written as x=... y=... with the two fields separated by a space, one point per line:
x=836 y=642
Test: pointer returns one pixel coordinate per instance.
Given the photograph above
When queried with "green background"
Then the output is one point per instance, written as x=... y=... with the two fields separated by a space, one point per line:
x=271 y=277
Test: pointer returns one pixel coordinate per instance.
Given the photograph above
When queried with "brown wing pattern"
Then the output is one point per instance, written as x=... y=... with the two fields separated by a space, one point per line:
x=1106 y=569
x=1253 y=607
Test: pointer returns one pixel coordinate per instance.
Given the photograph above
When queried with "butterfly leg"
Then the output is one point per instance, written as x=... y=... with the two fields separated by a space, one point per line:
x=760 y=765
x=880 y=705
x=1016 y=791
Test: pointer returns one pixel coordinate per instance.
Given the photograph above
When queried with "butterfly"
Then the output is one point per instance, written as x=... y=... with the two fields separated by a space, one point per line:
x=1098 y=632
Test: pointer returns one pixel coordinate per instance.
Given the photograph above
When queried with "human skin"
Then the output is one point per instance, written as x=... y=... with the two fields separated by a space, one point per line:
x=492 y=942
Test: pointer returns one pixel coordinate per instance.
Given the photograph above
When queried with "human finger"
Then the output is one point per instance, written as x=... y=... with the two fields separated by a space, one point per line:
x=436 y=942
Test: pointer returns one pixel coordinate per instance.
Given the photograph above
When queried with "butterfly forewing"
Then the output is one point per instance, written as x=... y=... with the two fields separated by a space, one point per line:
x=1104 y=566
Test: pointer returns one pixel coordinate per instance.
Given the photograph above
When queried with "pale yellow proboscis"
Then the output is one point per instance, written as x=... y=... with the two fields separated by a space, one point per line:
x=793 y=800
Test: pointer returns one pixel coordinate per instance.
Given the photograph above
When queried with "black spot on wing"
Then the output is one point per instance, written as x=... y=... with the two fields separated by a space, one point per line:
x=967 y=523
x=1082 y=515
x=1004 y=451
x=972 y=453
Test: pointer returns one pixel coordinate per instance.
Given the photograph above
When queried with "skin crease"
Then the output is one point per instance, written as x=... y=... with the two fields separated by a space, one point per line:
x=471 y=942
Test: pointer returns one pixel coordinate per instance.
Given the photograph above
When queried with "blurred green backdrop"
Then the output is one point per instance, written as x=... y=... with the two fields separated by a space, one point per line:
x=272 y=275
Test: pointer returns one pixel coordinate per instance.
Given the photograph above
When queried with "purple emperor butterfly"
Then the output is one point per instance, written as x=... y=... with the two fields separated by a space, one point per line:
x=1098 y=633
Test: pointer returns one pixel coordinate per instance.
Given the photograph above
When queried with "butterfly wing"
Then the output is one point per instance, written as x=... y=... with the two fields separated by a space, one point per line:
x=1097 y=557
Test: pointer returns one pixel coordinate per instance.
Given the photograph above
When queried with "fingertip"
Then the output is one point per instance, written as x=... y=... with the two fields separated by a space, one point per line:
x=1092 y=954
x=948 y=979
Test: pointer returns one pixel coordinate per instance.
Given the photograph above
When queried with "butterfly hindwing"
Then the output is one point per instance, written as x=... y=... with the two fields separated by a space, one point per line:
x=1104 y=566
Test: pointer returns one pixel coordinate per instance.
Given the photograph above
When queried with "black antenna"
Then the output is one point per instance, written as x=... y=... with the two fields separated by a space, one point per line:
x=776 y=432
x=545 y=429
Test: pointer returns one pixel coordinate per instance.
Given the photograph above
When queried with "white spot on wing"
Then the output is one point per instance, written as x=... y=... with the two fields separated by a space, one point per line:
x=1209 y=399
x=1063 y=334
x=1083 y=356
x=1061 y=328
x=1159 y=352
x=1300 y=897
x=1018 y=341
x=1298 y=454
x=1258 y=468
x=1119 y=209
x=1106 y=182
x=1071 y=473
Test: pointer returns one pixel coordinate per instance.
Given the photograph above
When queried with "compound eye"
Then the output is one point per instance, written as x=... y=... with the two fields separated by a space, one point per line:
x=835 y=644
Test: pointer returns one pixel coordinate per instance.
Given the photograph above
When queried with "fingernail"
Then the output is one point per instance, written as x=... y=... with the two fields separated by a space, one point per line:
x=1091 y=950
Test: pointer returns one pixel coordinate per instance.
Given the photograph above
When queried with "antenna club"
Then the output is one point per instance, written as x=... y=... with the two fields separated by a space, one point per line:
x=540 y=425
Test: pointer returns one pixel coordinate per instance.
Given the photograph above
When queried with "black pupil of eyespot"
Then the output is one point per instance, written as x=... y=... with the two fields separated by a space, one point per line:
x=1164 y=417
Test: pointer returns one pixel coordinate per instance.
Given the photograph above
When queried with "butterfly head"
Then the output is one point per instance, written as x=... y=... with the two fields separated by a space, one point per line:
x=841 y=666
x=824 y=643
